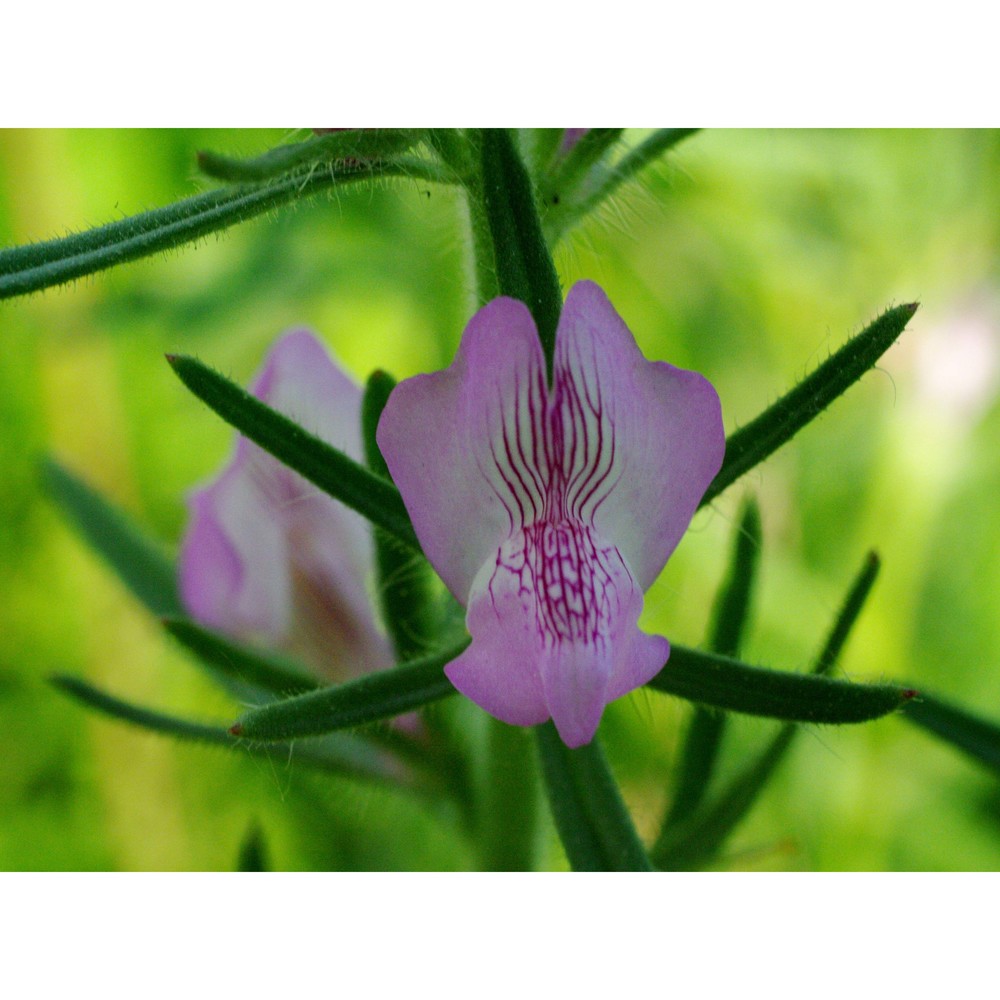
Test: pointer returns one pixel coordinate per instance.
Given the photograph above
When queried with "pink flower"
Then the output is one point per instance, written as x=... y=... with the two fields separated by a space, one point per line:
x=548 y=511
x=267 y=557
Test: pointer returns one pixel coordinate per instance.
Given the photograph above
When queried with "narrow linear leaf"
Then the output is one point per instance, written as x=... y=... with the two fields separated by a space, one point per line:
x=562 y=217
x=570 y=168
x=455 y=150
x=349 y=147
x=524 y=265
x=850 y=611
x=703 y=739
x=137 y=560
x=339 y=755
x=257 y=673
x=974 y=735
x=593 y=823
x=766 y=433
x=323 y=465
x=721 y=682
x=145 y=718
x=541 y=146
x=693 y=842
x=268 y=672
x=381 y=695
x=647 y=152
x=36 y=266
x=733 y=607
x=252 y=856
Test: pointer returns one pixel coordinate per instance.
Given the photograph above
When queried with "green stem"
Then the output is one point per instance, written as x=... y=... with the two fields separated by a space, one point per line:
x=593 y=823
x=523 y=263
x=509 y=807
x=484 y=259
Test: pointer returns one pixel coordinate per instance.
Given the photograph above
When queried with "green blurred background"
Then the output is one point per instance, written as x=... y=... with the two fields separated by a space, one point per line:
x=749 y=256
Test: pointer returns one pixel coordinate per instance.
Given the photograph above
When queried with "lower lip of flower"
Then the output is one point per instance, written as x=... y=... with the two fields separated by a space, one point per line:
x=567 y=574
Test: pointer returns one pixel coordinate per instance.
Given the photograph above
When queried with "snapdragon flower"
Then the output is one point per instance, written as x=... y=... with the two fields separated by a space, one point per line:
x=548 y=509
x=269 y=558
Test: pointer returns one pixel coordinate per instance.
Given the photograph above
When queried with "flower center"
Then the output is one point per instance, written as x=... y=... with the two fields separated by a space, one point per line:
x=567 y=576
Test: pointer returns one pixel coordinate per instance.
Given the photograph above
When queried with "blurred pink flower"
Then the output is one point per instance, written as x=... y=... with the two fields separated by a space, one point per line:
x=548 y=511
x=269 y=558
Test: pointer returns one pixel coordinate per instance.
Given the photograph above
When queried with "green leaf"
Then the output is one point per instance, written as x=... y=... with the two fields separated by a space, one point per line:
x=256 y=673
x=541 y=146
x=562 y=217
x=404 y=576
x=380 y=695
x=350 y=147
x=703 y=739
x=268 y=672
x=695 y=840
x=593 y=823
x=721 y=682
x=455 y=149
x=523 y=263
x=36 y=266
x=571 y=168
x=972 y=734
x=848 y=615
x=765 y=434
x=253 y=852
x=339 y=755
x=139 y=562
x=733 y=607
x=323 y=465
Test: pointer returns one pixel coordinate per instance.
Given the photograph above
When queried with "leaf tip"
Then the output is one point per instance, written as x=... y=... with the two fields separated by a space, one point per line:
x=910 y=308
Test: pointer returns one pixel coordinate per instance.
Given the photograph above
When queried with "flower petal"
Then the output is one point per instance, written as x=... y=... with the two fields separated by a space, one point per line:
x=654 y=433
x=225 y=549
x=450 y=439
x=553 y=622
x=266 y=554
x=499 y=670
